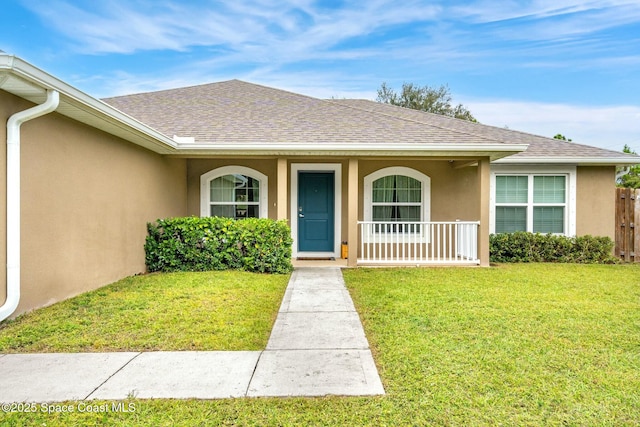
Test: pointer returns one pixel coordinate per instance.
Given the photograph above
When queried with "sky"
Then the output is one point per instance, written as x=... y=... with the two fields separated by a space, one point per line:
x=539 y=66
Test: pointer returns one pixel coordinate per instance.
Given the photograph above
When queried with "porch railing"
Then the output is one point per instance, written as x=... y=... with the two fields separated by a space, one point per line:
x=418 y=243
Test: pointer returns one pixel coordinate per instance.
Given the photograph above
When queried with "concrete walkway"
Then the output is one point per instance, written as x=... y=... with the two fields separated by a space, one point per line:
x=317 y=347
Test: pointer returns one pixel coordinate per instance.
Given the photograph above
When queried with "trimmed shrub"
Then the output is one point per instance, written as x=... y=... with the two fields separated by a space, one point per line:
x=213 y=243
x=535 y=247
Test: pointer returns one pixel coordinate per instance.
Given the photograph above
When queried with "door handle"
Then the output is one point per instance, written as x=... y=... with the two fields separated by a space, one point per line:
x=301 y=215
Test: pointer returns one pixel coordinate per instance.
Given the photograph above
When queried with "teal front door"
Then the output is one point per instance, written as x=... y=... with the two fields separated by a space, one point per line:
x=316 y=222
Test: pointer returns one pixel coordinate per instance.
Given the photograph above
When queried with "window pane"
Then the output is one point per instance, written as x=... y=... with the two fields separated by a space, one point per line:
x=236 y=211
x=382 y=213
x=512 y=189
x=378 y=195
x=383 y=189
x=397 y=188
x=408 y=213
x=241 y=195
x=241 y=211
x=252 y=189
x=548 y=219
x=235 y=188
x=510 y=219
x=396 y=213
x=226 y=211
x=549 y=189
x=253 y=211
x=415 y=195
x=222 y=189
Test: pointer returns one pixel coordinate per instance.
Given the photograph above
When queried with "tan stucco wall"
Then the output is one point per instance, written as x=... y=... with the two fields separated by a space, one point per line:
x=595 y=201
x=454 y=192
x=445 y=182
x=86 y=199
x=198 y=167
x=268 y=166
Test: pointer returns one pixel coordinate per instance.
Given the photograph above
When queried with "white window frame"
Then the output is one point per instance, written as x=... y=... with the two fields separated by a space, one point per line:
x=530 y=172
x=425 y=180
x=205 y=192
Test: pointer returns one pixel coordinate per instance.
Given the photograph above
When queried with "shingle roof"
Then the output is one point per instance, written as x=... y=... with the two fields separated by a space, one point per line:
x=240 y=112
x=237 y=112
x=539 y=147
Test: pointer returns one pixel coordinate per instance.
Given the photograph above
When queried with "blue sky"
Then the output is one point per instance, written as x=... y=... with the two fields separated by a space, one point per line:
x=540 y=66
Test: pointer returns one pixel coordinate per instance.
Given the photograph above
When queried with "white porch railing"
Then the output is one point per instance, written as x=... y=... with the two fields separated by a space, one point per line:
x=418 y=243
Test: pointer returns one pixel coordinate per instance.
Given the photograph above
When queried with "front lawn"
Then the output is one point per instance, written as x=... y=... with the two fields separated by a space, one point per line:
x=520 y=344
x=513 y=345
x=221 y=310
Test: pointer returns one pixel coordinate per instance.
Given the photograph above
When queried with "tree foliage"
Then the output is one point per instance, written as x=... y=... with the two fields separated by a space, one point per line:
x=424 y=98
x=632 y=178
x=562 y=137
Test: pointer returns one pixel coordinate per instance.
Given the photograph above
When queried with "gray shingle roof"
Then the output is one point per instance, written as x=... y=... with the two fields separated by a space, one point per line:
x=239 y=112
x=236 y=112
x=539 y=147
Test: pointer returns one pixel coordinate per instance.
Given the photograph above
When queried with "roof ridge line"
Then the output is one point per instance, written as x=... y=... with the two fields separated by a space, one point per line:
x=528 y=134
x=418 y=122
x=169 y=89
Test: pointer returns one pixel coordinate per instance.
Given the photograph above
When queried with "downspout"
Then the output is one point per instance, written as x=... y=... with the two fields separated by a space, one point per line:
x=13 y=197
x=622 y=172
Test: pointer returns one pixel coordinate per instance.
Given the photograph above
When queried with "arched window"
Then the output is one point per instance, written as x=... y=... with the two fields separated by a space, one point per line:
x=234 y=192
x=397 y=194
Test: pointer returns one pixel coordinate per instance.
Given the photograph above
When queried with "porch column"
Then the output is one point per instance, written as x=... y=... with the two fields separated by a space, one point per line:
x=352 y=212
x=484 y=169
x=281 y=191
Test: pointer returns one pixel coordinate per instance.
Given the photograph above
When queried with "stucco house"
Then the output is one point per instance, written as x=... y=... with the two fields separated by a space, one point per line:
x=82 y=177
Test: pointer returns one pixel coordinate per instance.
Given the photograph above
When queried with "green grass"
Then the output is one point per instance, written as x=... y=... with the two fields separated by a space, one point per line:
x=177 y=311
x=513 y=345
x=518 y=344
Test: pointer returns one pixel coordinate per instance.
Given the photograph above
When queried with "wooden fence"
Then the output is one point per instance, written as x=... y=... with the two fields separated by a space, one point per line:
x=628 y=224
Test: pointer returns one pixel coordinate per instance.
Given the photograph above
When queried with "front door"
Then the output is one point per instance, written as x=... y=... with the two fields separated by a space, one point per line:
x=316 y=211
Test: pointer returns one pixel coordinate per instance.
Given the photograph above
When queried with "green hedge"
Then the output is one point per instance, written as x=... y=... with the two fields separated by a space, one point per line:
x=202 y=244
x=535 y=247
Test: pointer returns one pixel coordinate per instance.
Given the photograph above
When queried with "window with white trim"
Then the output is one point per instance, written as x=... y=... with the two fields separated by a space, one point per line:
x=397 y=195
x=233 y=192
x=535 y=202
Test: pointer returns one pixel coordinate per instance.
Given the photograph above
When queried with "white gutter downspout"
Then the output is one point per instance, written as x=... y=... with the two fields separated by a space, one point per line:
x=13 y=197
x=622 y=172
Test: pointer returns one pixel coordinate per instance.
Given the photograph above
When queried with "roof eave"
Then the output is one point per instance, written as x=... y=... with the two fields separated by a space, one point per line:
x=494 y=151
x=572 y=160
x=31 y=83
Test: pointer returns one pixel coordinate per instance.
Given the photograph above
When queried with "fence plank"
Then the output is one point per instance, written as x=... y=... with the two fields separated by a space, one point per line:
x=627 y=225
x=635 y=238
x=619 y=203
x=627 y=234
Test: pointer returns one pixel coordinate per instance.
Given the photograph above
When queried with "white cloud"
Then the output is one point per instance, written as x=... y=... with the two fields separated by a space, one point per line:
x=347 y=51
x=273 y=34
x=488 y=11
x=553 y=30
x=286 y=28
